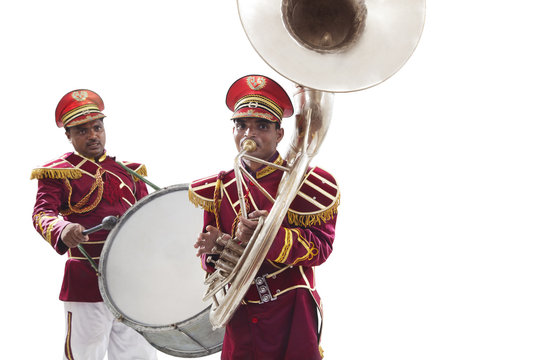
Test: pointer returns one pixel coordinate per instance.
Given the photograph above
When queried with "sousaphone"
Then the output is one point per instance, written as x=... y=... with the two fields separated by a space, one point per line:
x=324 y=46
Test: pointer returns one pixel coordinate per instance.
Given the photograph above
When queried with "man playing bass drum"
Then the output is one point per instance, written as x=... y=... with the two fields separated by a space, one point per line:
x=287 y=326
x=75 y=192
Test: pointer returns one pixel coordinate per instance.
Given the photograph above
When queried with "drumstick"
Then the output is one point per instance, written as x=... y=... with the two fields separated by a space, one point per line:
x=107 y=223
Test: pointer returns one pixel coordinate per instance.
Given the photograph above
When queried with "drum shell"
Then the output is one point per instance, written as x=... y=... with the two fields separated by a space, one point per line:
x=151 y=279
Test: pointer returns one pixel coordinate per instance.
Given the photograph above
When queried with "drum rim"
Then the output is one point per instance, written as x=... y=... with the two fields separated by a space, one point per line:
x=203 y=351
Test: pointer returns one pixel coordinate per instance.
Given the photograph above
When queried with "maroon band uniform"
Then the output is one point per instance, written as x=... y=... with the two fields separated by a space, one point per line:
x=75 y=189
x=286 y=327
x=79 y=190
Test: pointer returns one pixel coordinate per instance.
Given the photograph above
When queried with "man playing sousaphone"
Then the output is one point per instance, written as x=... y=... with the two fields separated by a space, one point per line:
x=284 y=325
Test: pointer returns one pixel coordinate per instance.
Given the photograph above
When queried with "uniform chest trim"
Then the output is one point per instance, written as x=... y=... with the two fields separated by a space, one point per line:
x=323 y=201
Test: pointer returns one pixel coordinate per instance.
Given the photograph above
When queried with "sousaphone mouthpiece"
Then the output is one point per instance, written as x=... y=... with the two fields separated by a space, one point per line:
x=249 y=145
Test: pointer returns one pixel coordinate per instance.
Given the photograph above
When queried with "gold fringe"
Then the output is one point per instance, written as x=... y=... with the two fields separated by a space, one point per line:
x=141 y=170
x=46 y=173
x=199 y=202
x=312 y=219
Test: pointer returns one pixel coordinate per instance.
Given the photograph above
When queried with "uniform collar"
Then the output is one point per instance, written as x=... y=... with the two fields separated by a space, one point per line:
x=101 y=158
x=266 y=170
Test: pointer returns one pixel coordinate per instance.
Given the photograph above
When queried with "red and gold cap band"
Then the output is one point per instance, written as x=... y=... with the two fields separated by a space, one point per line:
x=76 y=116
x=261 y=102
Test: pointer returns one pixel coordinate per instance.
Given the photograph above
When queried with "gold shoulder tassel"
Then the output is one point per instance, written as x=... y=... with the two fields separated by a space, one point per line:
x=312 y=219
x=47 y=173
x=207 y=205
x=141 y=170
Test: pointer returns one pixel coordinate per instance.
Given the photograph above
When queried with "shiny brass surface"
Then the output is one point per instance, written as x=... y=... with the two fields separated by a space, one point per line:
x=334 y=45
x=249 y=145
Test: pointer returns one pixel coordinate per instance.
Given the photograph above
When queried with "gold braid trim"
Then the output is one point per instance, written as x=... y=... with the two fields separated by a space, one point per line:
x=217 y=202
x=235 y=224
x=49 y=231
x=78 y=208
x=237 y=218
x=287 y=245
x=45 y=173
x=312 y=219
x=267 y=170
x=38 y=219
x=312 y=251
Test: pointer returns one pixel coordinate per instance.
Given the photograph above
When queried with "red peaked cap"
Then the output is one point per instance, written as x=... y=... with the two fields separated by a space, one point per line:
x=260 y=97
x=78 y=107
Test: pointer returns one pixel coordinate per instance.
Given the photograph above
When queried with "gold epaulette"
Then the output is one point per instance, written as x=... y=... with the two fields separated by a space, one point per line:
x=44 y=173
x=201 y=193
x=56 y=169
x=317 y=199
x=141 y=170
x=138 y=168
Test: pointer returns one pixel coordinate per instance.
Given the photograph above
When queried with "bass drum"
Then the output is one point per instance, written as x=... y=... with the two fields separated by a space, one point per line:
x=151 y=279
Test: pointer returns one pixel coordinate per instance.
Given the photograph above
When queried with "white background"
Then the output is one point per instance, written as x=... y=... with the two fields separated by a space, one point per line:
x=436 y=252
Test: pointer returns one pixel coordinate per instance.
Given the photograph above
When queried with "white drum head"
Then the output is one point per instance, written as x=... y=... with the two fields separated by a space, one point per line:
x=150 y=271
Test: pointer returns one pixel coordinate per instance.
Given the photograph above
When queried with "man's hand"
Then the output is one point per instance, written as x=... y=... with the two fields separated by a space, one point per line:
x=72 y=235
x=206 y=241
x=246 y=227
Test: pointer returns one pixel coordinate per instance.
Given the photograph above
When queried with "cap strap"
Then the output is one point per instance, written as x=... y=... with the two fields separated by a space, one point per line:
x=78 y=111
x=261 y=102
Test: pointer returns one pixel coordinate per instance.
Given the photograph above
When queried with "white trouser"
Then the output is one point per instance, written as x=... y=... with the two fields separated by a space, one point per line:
x=92 y=331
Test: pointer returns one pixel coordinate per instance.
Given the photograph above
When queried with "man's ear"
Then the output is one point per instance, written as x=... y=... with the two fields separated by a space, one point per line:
x=68 y=134
x=281 y=134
